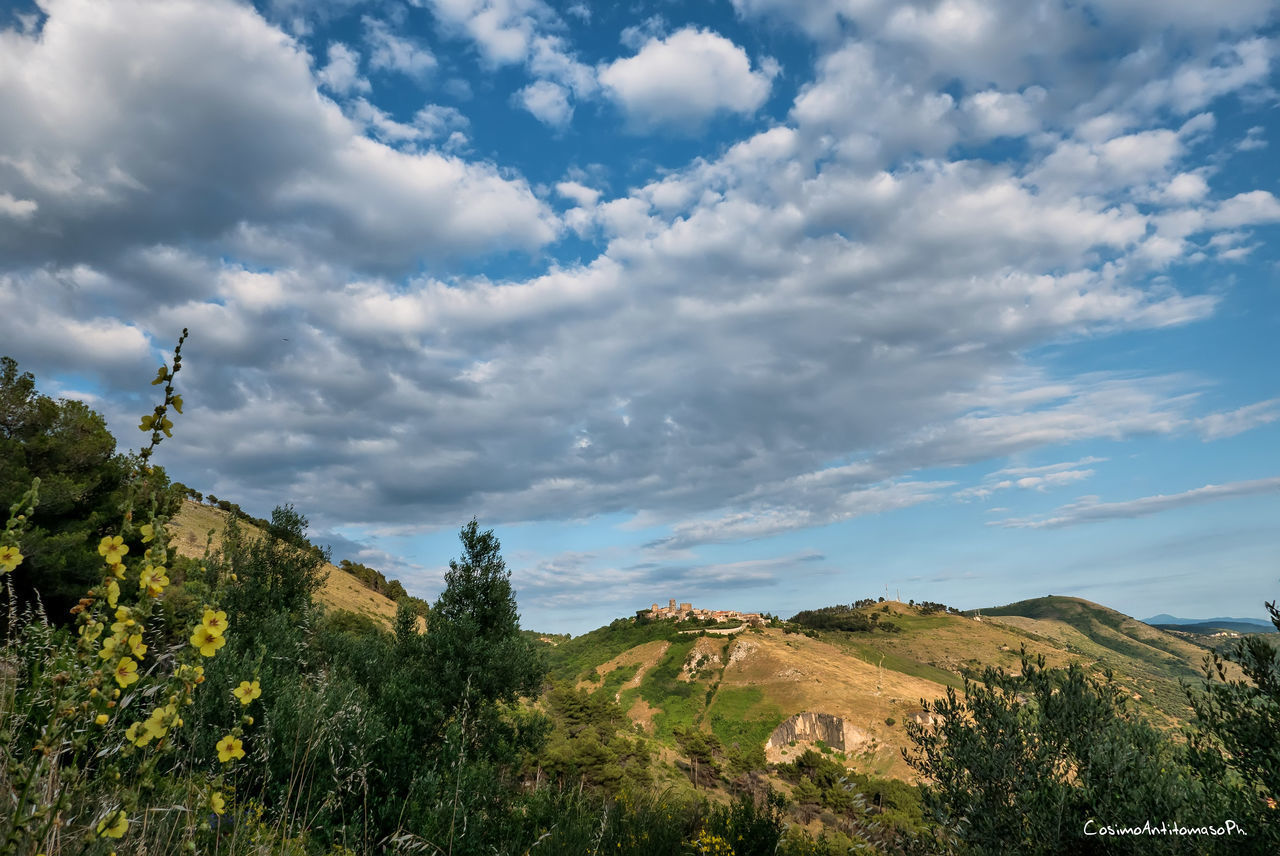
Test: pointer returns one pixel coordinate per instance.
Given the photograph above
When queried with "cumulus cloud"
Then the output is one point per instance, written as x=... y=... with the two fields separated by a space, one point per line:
x=341 y=74
x=548 y=102
x=1090 y=510
x=221 y=136
x=391 y=52
x=783 y=333
x=684 y=79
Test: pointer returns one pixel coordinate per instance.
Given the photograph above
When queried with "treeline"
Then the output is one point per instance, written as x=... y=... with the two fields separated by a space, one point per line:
x=851 y=619
x=376 y=581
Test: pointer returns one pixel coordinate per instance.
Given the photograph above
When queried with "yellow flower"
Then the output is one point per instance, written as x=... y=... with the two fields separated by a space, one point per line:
x=247 y=691
x=113 y=592
x=157 y=725
x=108 y=648
x=162 y=375
x=126 y=672
x=10 y=558
x=113 y=549
x=205 y=640
x=136 y=646
x=114 y=826
x=153 y=580
x=137 y=734
x=124 y=620
x=91 y=630
x=215 y=621
x=148 y=532
x=217 y=803
x=118 y=570
x=230 y=747
x=101 y=719
x=191 y=674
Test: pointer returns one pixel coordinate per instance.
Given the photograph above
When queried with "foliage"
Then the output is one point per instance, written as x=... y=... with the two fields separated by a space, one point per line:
x=1234 y=734
x=84 y=486
x=92 y=722
x=1025 y=760
x=589 y=744
x=376 y=581
x=847 y=618
x=574 y=657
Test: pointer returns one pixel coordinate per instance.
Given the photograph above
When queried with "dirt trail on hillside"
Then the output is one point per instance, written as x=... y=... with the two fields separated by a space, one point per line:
x=646 y=656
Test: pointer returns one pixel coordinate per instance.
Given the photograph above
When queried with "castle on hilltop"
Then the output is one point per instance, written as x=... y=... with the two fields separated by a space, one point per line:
x=686 y=611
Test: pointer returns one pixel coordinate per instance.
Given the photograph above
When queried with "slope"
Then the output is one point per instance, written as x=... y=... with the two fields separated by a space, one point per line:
x=1138 y=653
x=742 y=687
x=195 y=524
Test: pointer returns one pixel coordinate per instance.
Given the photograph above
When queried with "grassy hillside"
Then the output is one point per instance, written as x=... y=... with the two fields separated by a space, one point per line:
x=1149 y=660
x=190 y=530
x=740 y=688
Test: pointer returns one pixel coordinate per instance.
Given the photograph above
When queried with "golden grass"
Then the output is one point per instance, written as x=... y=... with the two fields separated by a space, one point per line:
x=798 y=674
x=190 y=528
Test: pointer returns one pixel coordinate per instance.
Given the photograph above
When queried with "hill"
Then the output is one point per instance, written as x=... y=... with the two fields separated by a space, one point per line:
x=1151 y=660
x=1215 y=628
x=1210 y=626
x=742 y=687
x=1165 y=618
x=191 y=527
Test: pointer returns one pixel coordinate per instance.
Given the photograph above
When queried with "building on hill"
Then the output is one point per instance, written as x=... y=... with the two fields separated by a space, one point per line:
x=685 y=611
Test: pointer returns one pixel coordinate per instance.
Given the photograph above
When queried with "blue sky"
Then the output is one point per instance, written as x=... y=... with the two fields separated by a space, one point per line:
x=757 y=304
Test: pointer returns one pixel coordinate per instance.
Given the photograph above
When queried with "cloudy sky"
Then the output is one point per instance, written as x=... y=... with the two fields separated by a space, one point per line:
x=760 y=304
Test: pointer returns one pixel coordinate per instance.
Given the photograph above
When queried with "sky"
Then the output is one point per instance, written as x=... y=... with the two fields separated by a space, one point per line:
x=760 y=304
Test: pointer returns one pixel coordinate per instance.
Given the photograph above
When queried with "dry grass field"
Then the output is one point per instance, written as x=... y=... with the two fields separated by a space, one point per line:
x=190 y=530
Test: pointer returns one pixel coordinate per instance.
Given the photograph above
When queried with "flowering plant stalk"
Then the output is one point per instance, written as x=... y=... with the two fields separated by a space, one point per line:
x=87 y=723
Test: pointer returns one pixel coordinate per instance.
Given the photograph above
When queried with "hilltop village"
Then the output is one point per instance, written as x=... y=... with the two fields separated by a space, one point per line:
x=687 y=611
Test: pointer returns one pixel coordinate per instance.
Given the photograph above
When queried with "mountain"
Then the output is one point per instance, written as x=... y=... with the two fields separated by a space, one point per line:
x=1164 y=618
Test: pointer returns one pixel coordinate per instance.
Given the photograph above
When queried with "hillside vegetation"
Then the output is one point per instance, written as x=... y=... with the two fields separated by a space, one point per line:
x=196 y=524
x=740 y=688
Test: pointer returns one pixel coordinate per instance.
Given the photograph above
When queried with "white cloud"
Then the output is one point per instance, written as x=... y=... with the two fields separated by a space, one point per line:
x=221 y=137
x=390 y=52
x=548 y=102
x=1089 y=510
x=1253 y=140
x=1005 y=114
x=684 y=79
x=769 y=521
x=832 y=289
x=342 y=72
x=1217 y=426
x=1030 y=478
x=578 y=193
x=18 y=209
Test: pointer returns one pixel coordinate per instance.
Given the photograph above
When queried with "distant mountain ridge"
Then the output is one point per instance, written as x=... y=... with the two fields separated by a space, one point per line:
x=1165 y=618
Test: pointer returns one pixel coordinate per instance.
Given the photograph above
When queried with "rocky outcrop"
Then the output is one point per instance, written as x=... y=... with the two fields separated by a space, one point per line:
x=812 y=727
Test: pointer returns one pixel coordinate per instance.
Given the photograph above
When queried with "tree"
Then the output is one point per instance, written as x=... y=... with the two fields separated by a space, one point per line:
x=1024 y=761
x=82 y=478
x=1234 y=735
x=475 y=640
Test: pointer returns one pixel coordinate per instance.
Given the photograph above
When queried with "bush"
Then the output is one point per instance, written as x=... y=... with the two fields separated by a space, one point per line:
x=1024 y=761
